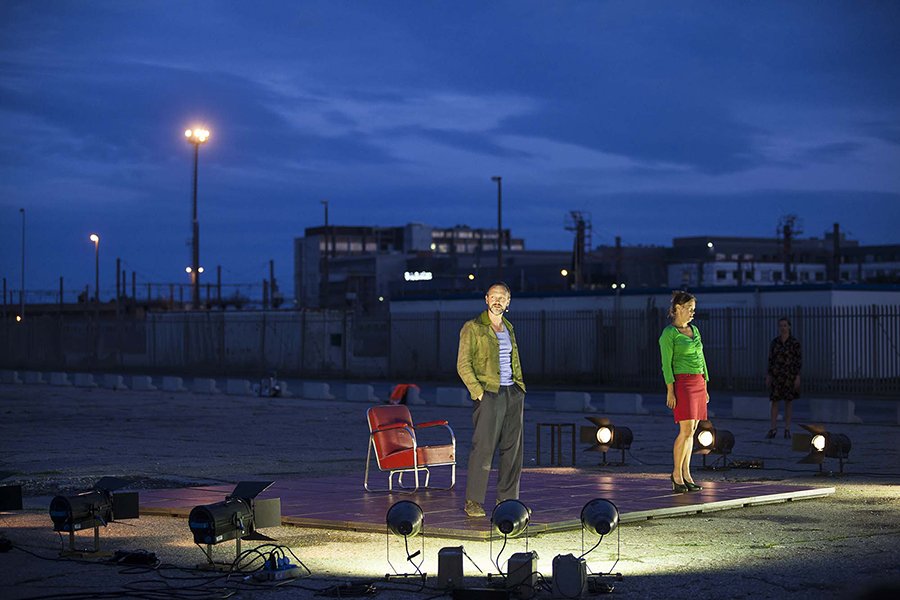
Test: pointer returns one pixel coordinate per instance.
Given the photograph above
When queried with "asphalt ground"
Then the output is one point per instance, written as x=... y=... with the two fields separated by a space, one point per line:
x=62 y=440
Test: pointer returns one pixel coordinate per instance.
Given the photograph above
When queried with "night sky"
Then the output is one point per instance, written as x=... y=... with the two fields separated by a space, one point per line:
x=660 y=119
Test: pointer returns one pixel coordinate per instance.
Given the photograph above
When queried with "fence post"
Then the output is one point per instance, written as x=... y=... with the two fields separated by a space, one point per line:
x=262 y=345
x=598 y=346
x=544 y=345
x=390 y=345
x=302 y=369
x=437 y=337
x=874 y=376
x=729 y=354
x=346 y=345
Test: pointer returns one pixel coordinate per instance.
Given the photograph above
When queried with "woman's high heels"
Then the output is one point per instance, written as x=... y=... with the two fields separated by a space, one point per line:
x=692 y=487
x=678 y=487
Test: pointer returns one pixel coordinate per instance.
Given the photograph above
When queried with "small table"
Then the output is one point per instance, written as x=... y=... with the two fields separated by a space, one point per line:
x=556 y=434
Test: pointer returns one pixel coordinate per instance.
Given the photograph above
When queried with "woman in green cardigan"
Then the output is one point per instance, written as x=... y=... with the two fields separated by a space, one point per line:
x=685 y=373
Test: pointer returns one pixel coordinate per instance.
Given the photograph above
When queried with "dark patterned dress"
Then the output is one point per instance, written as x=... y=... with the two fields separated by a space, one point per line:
x=785 y=362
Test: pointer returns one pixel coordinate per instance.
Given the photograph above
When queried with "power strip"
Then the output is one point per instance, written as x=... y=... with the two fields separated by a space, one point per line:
x=280 y=574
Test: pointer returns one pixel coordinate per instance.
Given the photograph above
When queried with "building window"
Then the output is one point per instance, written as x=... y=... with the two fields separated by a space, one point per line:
x=776 y=275
x=749 y=275
x=720 y=275
x=820 y=276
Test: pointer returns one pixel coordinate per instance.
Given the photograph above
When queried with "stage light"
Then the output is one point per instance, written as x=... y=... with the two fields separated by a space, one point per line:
x=93 y=508
x=570 y=573
x=599 y=516
x=822 y=444
x=510 y=518
x=709 y=440
x=603 y=436
x=238 y=517
x=405 y=519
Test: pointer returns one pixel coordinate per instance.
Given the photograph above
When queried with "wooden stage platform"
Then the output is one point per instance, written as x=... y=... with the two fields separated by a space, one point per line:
x=555 y=496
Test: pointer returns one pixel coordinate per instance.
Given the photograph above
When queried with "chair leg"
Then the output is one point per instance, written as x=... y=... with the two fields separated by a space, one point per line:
x=368 y=461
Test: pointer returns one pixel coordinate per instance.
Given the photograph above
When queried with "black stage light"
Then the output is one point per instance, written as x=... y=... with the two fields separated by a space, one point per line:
x=604 y=436
x=238 y=517
x=510 y=518
x=93 y=508
x=709 y=440
x=822 y=444
x=570 y=574
x=405 y=519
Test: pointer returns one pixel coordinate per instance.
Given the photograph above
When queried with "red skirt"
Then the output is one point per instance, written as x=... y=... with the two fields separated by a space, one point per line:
x=690 y=397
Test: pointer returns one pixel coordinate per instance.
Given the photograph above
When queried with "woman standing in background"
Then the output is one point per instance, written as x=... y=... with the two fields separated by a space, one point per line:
x=783 y=376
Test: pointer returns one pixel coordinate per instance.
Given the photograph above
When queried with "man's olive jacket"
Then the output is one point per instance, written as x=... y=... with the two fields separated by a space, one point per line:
x=478 y=360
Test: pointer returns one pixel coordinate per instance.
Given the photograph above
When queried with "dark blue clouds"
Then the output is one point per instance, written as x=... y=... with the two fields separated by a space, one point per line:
x=401 y=111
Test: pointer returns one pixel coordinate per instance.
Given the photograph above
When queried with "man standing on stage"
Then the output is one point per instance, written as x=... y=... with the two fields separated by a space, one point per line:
x=488 y=363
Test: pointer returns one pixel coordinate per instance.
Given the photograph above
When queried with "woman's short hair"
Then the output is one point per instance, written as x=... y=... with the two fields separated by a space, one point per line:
x=679 y=297
x=786 y=320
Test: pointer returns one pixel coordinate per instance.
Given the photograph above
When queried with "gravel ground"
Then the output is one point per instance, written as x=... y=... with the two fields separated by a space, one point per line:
x=60 y=440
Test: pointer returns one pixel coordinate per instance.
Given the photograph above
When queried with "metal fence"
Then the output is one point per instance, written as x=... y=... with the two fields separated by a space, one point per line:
x=845 y=349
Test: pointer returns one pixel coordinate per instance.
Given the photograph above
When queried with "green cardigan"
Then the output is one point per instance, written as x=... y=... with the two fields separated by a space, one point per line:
x=681 y=354
x=478 y=359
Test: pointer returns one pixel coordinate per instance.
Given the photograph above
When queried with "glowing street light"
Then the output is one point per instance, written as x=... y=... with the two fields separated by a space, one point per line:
x=195 y=137
x=96 y=239
x=564 y=272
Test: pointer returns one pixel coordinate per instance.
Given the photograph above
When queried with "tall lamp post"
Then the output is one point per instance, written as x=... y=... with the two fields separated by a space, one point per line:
x=499 y=181
x=195 y=137
x=22 y=286
x=96 y=239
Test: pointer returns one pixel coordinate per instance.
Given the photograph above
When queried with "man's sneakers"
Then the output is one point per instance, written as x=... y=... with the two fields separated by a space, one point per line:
x=474 y=509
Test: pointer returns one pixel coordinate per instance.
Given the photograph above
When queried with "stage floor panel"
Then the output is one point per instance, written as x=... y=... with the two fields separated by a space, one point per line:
x=555 y=496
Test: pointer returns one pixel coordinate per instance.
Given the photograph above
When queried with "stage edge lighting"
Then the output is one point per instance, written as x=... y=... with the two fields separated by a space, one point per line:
x=709 y=440
x=822 y=444
x=405 y=519
x=604 y=436
x=93 y=508
x=238 y=517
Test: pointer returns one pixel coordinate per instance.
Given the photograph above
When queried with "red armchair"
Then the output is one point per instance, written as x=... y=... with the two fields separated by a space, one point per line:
x=392 y=437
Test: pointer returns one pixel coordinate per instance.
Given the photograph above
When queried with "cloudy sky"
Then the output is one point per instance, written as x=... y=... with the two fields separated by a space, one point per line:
x=659 y=119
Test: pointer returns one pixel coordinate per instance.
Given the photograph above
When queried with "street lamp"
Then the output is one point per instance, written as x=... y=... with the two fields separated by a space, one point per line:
x=499 y=181
x=195 y=137
x=96 y=239
x=22 y=286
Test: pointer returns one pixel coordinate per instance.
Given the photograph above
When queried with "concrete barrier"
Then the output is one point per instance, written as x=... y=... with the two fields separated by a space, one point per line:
x=114 y=382
x=573 y=402
x=33 y=377
x=60 y=379
x=624 y=404
x=453 y=396
x=833 y=411
x=142 y=383
x=9 y=377
x=173 y=384
x=357 y=392
x=413 y=396
x=316 y=390
x=84 y=380
x=203 y=385
x=751 y=407
x=238 y=387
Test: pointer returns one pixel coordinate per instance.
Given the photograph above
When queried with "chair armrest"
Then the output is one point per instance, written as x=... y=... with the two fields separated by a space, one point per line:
x=431 y=424
x=391 y=426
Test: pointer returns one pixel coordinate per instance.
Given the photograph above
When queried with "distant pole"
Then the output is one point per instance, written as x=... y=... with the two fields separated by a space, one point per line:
x=499 y=181
x=323 y=284
x=22 y=286
x=96 y=239
x=195 y=137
